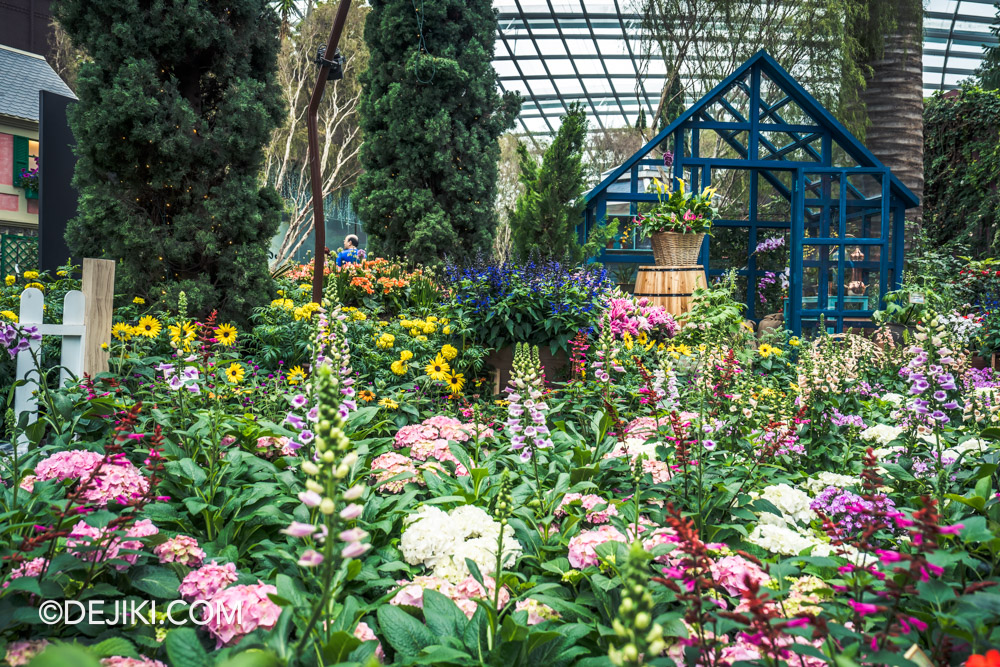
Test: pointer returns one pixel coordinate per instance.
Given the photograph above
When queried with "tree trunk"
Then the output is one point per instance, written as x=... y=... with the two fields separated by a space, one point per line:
x=895 y=104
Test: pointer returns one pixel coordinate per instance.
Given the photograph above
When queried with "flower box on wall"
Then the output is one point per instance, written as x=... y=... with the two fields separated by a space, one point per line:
x=30 y=193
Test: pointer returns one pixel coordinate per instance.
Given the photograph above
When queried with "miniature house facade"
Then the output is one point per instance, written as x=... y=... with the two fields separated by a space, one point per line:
x=810 y=221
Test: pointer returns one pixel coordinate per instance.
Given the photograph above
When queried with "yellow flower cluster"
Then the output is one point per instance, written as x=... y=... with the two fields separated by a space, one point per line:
x=385 y=341
x=10 y=280
x=182 y=333
x=9 y=315
x=400 y=366
x=37 y=286
x=31 y=275
x=287 y=304
x=678 y=351
x=305 y=311
x=355 y=314
x=426 y=326
x=766 y=351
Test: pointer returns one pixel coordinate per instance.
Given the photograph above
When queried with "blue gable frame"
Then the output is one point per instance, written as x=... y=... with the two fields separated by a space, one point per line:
x=843 y=210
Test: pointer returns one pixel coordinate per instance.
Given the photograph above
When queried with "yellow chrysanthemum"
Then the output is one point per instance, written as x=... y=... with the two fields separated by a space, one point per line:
x=405 y=355
x=399 y=367
x=446 y=331
x=37 y=286
x=31 y=275
x=455 y=382
x=366 y=395
x=385 y=341
x=139 y=301
x=449 y=352
x=122 y=331
x=438 y=369
x=429 y=328
x=10 y=280
x=225 y=334
x=235 y=373
x=406 y=324
x=388 y=404
x=9 y=315
x=295 y=375
x=149 y=327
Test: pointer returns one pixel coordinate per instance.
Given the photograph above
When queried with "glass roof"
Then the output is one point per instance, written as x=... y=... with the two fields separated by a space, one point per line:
x=555 y=52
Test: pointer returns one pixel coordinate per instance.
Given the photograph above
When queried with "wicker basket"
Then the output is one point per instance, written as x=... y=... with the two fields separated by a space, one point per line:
x=676 y=249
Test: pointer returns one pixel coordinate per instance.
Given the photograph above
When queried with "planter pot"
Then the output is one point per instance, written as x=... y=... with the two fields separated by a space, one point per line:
x=556 y=366
x=676 y=249
x=30 y=194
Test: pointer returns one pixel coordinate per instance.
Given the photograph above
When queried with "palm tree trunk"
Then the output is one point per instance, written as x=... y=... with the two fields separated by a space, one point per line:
x=895 y=104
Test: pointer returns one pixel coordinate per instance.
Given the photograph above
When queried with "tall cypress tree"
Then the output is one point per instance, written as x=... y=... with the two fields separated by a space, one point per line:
x=432 y=119
x=546 y=214
x=177 y=100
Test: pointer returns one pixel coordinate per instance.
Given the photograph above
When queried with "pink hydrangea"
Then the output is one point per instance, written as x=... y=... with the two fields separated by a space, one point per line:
x=731 y=572
x=462 y=594
x=437 y=450
x=589 y=501
x=469 y=589
x=121 y=661
x=206 y=581
x=390 y=464
x=100 y=544
x=412 y=592
x=28 y=568
x=439 y=427
x=581 y=546
x=28 y=483
x=644 y=427
x=537 y=611
x=255 y=610
x=21 y=652
x=659 y=470
x=180 y=549
x=272 y=448
x=366 y=634
x=117 y=479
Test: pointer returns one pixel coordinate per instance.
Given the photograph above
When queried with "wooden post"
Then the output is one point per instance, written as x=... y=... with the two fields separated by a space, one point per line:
x=99 y=290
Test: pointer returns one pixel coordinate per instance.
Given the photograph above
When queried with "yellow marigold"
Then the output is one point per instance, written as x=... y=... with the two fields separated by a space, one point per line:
x=399 y=367
x=295 y=375
x=415 y=331
x=122 y=331
x=305 y=287
x=225 y=334
x=139 y=301
x=10 y=280
x=429 y=328
x=235 y=373
x=432 y=318
x=383 y=323
x=287 y=304
x=31 y=275
x=446 y=331
x=405 y=355
x=422 y=338
x=449 y=352
x=9 y=315
x=37 y=286
x=438 y=369
x=385 y=341
x=61 y=274
x=406 y=324
x=149 y=327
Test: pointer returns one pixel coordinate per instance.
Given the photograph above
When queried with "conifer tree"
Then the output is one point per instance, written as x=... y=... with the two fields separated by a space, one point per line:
x=546 y=214
x=432 y=118
x=176 y=101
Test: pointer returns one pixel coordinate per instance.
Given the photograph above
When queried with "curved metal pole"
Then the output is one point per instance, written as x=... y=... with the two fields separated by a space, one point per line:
x=315 y=168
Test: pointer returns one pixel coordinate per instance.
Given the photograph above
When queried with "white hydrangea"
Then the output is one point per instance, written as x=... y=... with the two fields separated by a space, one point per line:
x=791 y=502
x=881 y=433
x=972 y=445
x=821 y=481
x=442 y=541
x=895 y=399
x=791 y=542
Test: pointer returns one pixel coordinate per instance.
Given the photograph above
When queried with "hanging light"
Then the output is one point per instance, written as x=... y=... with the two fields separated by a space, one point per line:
x=336 y=65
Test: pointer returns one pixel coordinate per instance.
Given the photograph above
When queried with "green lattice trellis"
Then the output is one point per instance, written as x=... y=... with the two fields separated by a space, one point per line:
x=17 y=253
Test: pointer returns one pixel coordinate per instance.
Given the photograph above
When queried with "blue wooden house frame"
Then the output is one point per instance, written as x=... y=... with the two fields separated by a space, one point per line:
x=845 y=209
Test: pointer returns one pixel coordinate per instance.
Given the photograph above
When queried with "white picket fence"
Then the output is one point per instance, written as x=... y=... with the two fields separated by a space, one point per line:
x=85 y=328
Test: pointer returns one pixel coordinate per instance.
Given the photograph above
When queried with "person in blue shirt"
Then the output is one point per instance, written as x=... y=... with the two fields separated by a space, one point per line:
x=351 y=252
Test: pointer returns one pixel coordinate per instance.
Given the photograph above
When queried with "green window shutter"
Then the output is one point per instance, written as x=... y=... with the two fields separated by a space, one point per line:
x=20 y=158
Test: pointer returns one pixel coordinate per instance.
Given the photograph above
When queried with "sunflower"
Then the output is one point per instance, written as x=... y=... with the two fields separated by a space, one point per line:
x=121 y=331
x=455 y=382
x=225 y=334
x=366 y=395
x=438 y=369
x=449 y=352
x=296 y=375
x=235 y=373
x=149 y=327
x=388 y=404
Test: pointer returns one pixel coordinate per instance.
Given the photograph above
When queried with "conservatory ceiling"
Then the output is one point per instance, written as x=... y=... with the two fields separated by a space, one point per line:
x=555 y=52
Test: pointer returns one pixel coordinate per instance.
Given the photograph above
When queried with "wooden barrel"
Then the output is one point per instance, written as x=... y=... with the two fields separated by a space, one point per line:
x=669 y=286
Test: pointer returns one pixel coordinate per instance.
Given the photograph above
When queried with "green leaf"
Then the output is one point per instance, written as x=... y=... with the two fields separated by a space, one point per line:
x=339 y=647
x=991 y=433
x=403 y=632
x=443 y=616
x=936 y=592
x=253 y=658
x=115 y=646
x=184 y=649
x=975 y=530
x=61 y=655
x=157 y=581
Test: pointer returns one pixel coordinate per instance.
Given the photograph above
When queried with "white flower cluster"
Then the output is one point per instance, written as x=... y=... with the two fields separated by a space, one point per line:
x=442 y=541
x=964 y=329
x=782 y=539
x=791 y=502
x=890 y=397
x=816 y=484
x=883 y=434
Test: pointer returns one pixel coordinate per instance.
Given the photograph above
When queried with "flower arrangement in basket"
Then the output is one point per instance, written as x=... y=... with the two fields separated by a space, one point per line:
x=678 y=223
